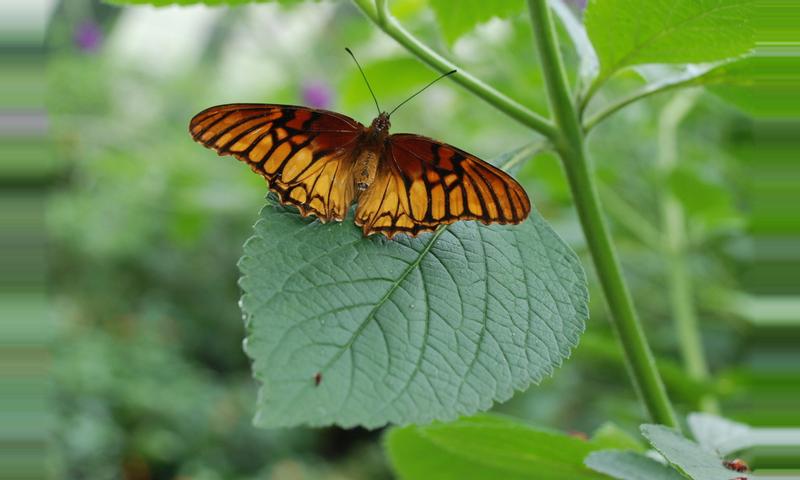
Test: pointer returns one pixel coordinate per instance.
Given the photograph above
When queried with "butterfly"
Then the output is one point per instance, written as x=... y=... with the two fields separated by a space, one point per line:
x=322 y=161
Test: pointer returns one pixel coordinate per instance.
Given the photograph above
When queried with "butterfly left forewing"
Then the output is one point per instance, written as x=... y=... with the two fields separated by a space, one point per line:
x=305 y=154
x=422 y=184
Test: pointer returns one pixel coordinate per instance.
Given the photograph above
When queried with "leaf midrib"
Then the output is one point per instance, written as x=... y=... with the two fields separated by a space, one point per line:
x=395 y=285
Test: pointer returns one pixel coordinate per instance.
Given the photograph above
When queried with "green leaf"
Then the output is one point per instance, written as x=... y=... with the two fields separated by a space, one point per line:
x=630 y=466
x=407 y=330
x=457 y=17
x=635 y=32
x=718 y=434
x=689 y=457
x=487 y=447
x=610 y=435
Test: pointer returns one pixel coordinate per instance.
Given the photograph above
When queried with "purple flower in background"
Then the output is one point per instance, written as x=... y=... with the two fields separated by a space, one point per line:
x=88 y=36
x=317 y=94
x=579 y=5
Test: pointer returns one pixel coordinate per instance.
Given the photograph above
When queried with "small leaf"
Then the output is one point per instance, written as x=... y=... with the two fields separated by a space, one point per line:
x=407 y=330
x=457 y=17
x=719 y=435
x=487 y=447
x=630 y=466
x=693 y=460
x=636 y=32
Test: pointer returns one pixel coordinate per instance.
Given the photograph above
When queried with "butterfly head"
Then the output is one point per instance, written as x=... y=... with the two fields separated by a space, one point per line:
x=381 y=124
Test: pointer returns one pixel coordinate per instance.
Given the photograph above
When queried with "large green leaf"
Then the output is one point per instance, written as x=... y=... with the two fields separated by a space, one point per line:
x=457 y=17
x=406 y=330
x=487 y=448
x=686 y=455
x=635 y=32
x=630 y=466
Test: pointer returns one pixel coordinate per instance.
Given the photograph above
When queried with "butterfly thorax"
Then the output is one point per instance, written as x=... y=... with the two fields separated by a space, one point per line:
x=372 y=145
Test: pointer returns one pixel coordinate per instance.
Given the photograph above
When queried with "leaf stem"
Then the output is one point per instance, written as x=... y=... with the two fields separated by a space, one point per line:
x=674 y=221
x=524 y=153
x=381 y=16
x=623 y=102
x=571 y=147
x=586 y=96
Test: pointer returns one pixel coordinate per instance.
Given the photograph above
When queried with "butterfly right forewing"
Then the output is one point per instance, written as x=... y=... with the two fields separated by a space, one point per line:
x=425 y=183
x=305 y=154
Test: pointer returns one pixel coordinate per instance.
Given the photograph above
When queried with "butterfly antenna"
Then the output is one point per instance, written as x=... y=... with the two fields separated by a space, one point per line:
x=365 y=79
x=422 y=90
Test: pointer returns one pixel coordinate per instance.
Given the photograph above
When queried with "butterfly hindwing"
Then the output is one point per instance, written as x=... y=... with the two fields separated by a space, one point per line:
x=422 y=183
x=305 y=154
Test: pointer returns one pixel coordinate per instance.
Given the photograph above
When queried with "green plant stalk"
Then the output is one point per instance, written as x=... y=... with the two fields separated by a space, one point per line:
x=674 y=222
x=569 y=142
x=382 y=18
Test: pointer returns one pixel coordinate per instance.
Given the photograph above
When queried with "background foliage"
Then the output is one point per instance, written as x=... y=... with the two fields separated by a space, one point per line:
x=145 y=228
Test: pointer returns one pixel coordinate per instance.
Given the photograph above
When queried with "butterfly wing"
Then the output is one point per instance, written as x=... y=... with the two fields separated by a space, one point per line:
x=305 y=154
x=422 y=183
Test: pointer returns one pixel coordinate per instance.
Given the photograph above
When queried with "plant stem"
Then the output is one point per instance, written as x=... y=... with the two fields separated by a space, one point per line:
x=569 y=142
x=515 y=110
x=674 y=221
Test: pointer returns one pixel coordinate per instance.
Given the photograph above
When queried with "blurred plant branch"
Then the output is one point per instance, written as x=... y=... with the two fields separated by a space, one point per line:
x=676 y=246
x=624 y=213
x=569 y=143
x=379 y=14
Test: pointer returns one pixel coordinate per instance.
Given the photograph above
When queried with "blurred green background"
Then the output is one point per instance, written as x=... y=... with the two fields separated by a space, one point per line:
x=133 y=232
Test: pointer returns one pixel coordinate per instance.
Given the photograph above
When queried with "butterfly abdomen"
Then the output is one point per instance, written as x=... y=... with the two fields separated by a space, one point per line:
x=366 y=167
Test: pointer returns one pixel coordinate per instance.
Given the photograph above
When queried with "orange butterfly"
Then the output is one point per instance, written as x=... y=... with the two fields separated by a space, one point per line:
x=322 y=161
